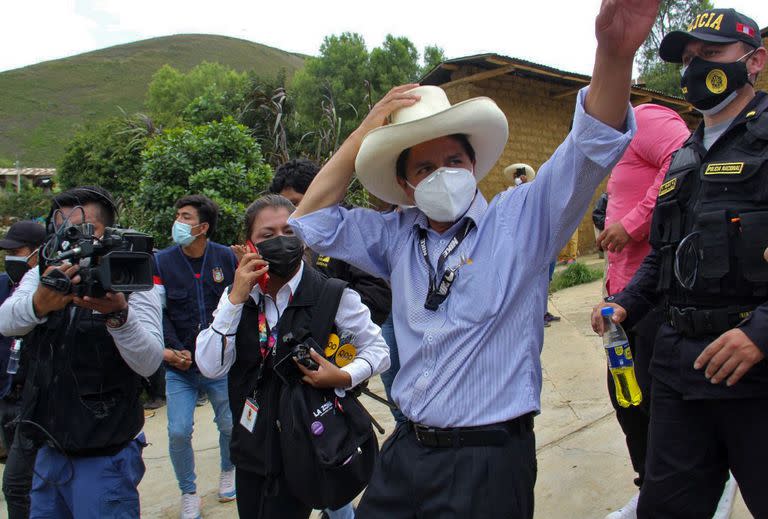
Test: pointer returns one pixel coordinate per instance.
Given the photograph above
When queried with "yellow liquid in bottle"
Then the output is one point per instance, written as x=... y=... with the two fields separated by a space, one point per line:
x=627 y=389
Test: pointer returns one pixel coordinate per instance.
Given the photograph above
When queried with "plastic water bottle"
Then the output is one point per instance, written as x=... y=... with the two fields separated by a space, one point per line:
x=620 y=361
x=13 y=360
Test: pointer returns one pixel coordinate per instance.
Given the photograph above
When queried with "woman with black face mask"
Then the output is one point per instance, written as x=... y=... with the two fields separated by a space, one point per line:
x=274 y=294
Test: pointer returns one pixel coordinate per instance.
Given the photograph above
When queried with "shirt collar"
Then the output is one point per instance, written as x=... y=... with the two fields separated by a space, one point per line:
x=475 y=213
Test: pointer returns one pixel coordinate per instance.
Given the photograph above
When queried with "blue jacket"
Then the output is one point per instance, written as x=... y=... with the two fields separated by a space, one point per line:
x=191 y=299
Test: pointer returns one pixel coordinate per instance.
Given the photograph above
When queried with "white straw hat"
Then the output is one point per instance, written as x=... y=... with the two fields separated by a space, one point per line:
x=433 y=116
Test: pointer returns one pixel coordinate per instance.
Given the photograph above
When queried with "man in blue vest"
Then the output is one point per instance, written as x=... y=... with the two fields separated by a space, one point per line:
x=193 y=273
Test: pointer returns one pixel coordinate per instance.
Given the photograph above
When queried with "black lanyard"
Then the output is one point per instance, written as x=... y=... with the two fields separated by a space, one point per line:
x=438 y=291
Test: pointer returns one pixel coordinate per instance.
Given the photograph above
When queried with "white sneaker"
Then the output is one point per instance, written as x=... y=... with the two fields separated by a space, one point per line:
x=725 y=505
x=227 y=490
x=628 y=511
x=190 y=506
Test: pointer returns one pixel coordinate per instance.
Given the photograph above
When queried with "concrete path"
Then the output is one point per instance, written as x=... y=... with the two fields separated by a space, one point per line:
x=583 y=467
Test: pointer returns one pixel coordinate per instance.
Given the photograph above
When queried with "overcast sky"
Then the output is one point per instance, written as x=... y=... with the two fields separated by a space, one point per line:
x=558 y=33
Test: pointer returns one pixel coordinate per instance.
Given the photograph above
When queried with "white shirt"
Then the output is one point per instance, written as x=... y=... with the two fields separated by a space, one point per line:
x=139 y=340
x=372 y=352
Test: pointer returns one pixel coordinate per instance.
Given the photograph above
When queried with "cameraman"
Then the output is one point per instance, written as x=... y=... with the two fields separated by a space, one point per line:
x=86 y=359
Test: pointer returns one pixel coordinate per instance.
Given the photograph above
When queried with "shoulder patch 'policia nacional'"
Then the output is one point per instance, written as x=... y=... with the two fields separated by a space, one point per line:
x=667 y=187
x=322 y=261
x=724 y=168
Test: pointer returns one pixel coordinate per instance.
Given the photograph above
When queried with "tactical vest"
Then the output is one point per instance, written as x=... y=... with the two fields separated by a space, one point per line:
x=81 y=390
x=711 y=218
x=259 y=451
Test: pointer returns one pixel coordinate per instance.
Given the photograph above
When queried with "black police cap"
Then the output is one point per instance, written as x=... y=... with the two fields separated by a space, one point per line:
x=714 y=26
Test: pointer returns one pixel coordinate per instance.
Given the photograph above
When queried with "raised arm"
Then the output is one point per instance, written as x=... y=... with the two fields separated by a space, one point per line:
x=330 y=185
x=620 y=27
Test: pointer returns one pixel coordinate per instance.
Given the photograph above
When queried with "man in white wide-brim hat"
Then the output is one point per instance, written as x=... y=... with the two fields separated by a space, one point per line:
x=469 y=279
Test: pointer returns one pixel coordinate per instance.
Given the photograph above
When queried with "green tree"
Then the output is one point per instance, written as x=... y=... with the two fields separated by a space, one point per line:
x=336 y=89
x=673 y=15
x=433 y=56
x=396 y=62
x=206 y=93
x=333 y=82
x=107 y=154
x=218 y=159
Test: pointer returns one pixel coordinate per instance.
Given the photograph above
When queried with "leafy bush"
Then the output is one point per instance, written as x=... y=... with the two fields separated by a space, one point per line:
x=219 y=159
x=29 y=204
x=576 y=274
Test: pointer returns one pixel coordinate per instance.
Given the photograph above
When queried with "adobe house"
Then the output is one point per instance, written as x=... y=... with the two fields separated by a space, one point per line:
x=762 y=79
x=539 y=103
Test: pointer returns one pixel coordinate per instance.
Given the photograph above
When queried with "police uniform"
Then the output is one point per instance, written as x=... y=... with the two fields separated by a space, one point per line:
x=709 y=230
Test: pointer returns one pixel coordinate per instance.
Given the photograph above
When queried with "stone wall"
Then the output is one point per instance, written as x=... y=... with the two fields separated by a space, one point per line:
x=762 y=79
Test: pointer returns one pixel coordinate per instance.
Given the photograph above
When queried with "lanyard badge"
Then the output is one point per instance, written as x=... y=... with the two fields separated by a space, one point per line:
x=439 y=290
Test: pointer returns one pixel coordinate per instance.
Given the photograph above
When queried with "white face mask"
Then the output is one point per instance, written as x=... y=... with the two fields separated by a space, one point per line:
x=518 y=181
x=445 y=194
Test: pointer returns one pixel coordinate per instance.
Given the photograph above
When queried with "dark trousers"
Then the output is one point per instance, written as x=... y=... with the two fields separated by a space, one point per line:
x=17 y=477
x=691 y=446
x=634 y=419
x=415 y=482
x=253 y=504
x=155 y=384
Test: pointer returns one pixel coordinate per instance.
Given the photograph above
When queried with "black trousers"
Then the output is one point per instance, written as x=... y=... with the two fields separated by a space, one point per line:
x=415 y=482
x=253 y=504
x=691 y=446
x=17 y=477
x=634 y=419
x=155 y=384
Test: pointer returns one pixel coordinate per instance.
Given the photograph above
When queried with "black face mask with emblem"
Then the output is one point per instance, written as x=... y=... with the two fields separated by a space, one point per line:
x=283 y=253
x=708 y=84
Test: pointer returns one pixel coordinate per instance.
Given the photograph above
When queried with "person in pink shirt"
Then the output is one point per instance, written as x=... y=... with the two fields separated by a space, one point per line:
x=632 y=191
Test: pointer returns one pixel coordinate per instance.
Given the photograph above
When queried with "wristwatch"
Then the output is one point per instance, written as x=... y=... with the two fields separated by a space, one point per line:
x=117 y=319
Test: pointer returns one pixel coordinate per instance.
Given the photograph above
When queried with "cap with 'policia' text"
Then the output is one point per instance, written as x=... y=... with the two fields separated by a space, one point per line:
x=714 y=26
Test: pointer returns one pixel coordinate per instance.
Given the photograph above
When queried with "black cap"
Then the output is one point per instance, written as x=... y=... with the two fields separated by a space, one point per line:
x=23 y=234
x=714 y=26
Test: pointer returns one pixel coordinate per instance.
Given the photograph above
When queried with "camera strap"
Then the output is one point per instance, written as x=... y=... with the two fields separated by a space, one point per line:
x=438 y=291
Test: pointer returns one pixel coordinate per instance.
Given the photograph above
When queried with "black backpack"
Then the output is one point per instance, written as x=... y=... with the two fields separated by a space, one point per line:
x=327 y=442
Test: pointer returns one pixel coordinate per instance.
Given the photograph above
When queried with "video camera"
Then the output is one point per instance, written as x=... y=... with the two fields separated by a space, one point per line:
x=120 y=261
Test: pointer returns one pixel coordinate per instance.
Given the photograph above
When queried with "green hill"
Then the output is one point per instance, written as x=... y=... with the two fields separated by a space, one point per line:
x=42 y=105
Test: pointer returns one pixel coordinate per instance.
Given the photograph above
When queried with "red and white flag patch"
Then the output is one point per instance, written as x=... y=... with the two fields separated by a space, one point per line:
x=745 y=29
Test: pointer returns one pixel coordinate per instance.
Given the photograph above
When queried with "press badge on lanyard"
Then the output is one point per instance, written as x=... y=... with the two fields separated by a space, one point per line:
x=250 y=413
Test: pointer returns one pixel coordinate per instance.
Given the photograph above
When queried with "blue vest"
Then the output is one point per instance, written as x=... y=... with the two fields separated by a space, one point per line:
x=191 y=299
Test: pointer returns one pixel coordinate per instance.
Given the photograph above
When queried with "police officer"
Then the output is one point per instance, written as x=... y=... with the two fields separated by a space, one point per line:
x=81 y=397
x=709 y=230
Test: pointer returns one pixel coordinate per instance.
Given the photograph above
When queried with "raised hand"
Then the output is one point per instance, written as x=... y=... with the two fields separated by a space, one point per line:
x=623 y=25
x=395 y=99
x=246 y=276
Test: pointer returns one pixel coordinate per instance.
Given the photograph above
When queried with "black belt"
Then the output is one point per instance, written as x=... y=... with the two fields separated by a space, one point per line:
x=486 y=435
x=694 y=322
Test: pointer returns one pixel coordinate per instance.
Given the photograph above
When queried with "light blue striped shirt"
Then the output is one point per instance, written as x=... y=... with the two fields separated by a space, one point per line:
x=476 y=360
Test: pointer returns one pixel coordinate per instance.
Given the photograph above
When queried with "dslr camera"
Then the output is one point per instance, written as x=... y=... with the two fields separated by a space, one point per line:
x=299 y=349
x=119 y=261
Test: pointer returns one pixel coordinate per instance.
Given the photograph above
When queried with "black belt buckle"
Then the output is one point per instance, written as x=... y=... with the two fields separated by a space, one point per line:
x=426 y=436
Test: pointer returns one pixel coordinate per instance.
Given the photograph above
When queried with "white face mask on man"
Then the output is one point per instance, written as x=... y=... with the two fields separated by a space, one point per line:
x=445 y=194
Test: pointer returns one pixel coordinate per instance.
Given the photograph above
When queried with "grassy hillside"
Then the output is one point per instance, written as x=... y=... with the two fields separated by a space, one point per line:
x=42 y=105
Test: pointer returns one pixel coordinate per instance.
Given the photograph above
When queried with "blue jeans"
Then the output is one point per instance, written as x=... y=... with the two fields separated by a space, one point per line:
x=181 y=390
x=95 y=487
x=388 y=331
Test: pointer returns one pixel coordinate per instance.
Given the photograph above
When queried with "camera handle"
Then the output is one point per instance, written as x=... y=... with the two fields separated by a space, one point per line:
x=57 y=280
